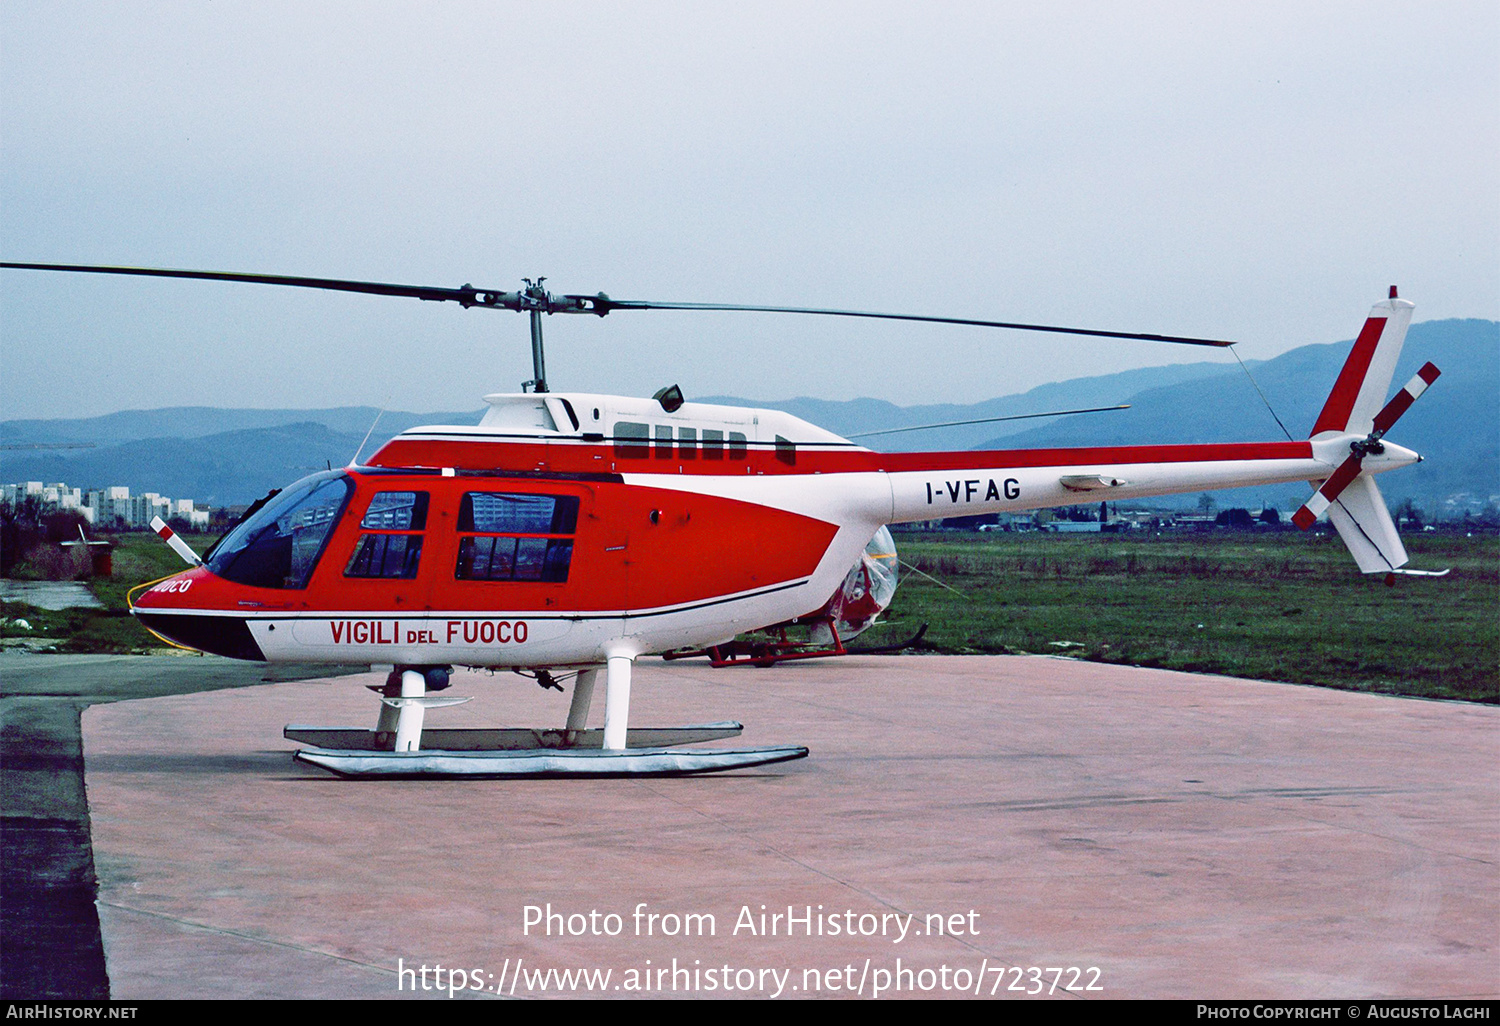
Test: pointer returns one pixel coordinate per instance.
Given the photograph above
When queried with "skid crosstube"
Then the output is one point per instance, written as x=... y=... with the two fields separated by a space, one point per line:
x=509 y=739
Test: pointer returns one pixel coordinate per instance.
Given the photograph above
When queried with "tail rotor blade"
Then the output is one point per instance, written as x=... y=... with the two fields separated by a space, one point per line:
x=1324 y=496
x=1403 y=399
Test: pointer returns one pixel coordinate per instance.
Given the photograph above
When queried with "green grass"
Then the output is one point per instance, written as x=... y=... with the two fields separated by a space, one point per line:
x=1286 y=606
x=137 y=558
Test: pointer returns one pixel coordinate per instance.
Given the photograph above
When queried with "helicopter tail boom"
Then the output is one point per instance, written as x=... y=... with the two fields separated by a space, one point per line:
x=968 y=484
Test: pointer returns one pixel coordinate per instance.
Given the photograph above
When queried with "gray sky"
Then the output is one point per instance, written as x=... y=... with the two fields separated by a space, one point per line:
x=1256 y=171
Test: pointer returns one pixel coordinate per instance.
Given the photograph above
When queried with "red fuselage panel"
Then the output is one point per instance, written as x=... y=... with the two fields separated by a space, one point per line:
x=632 y=548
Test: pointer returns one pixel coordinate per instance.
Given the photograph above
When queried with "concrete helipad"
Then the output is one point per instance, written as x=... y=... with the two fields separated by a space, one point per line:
x=1168 y=835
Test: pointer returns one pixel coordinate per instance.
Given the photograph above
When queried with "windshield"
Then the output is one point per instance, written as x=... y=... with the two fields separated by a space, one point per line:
x=280 y=544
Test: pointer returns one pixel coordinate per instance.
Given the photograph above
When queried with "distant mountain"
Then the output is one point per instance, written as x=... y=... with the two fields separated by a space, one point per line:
x=224 y=457
x=219 y=470
x=856 y=415
x=217 y=457
x=202 y=421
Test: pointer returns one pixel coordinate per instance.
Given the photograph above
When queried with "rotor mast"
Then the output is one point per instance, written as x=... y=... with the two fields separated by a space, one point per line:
x=534 y=301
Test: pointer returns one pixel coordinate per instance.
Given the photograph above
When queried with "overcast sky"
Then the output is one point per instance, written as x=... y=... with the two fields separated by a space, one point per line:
x=1254 y=171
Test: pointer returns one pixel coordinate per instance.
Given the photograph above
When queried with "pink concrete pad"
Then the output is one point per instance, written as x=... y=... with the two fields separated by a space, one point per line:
x=1189 y=836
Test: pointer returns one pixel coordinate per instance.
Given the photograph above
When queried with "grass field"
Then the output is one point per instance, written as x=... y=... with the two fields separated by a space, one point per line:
x=1286 y=606
x=138 y=558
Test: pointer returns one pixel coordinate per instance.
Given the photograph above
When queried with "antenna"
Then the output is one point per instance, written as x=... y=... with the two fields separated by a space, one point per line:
x=354 y=460
x=988 y=420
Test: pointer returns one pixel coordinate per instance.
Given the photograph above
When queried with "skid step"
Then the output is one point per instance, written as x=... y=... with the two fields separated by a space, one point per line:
x=509 y=739
x=545 y=762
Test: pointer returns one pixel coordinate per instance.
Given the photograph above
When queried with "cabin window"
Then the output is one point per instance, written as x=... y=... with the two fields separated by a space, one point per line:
x=390 y=555
x=738 y=445
x=510 y=537
x=502 y=513
x=279 y=546
x=386 y=555
x=687 y=443
x=713 y=444
x=663 y=445
x=396 y=511
x=786 y=451
x=632 y=440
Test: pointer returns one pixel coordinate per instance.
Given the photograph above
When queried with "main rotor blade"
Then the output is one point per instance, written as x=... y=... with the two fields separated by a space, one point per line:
x=468 y=295
x=599 y=305
x=987 y=420
x=608 y=305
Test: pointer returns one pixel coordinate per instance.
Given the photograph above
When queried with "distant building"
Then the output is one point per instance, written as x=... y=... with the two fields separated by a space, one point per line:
x=1073 y=526
x=108 y=506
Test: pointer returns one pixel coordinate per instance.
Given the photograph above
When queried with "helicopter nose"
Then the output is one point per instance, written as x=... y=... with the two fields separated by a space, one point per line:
x=195 y=610
x=177 y=591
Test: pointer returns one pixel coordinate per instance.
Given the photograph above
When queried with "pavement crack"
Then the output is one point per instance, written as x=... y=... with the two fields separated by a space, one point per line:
x=240 y=935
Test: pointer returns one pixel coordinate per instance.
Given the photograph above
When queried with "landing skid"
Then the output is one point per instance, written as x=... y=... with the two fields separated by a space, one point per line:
x=399 y=747
x=545 y=762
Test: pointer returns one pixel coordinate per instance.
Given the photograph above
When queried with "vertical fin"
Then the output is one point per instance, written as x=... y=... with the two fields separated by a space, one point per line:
x=1362 y=385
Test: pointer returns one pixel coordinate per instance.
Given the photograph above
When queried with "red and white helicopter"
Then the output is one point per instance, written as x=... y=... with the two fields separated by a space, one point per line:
x=571 y=534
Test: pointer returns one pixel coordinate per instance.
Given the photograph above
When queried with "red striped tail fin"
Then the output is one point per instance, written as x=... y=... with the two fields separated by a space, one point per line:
x=1357 y=406
x=1361 y=388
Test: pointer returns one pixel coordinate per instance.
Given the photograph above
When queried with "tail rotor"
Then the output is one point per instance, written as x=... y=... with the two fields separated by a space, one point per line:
x=1371 y=445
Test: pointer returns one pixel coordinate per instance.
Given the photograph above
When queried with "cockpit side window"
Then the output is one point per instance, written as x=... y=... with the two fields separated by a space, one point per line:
x=280 y=545
x=386 y=555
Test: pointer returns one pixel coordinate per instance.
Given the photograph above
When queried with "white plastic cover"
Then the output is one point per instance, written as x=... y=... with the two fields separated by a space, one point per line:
x=868 y=588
